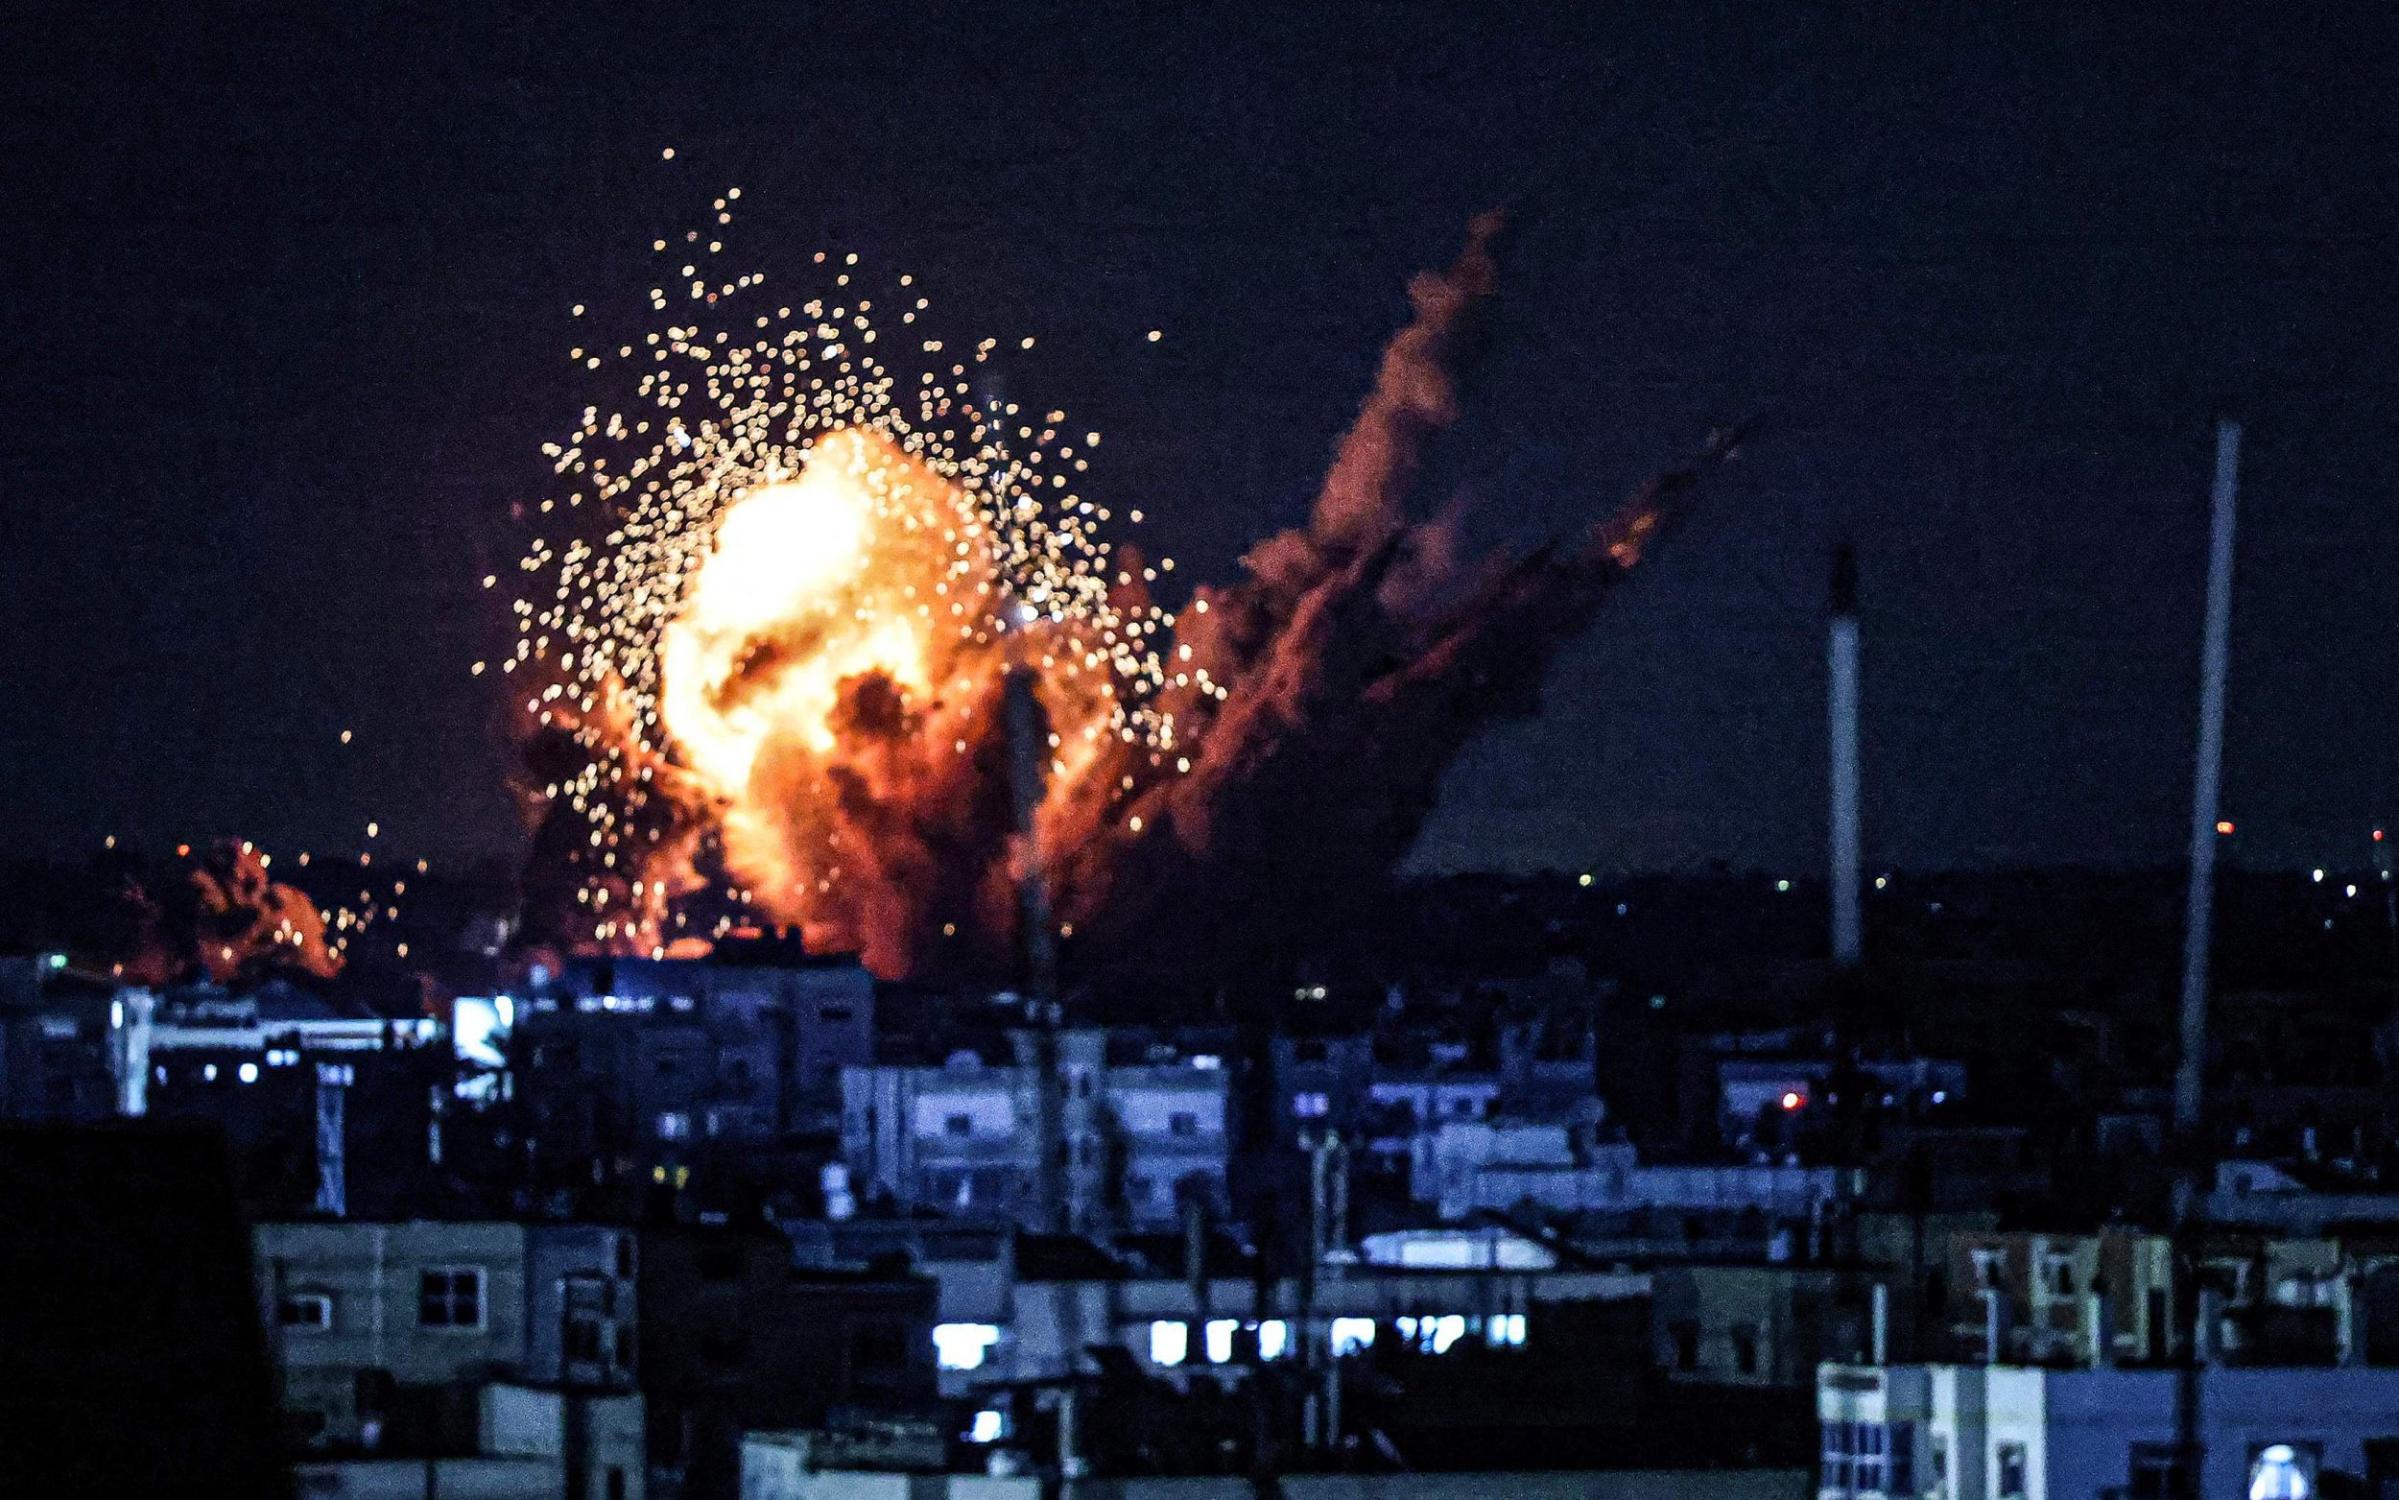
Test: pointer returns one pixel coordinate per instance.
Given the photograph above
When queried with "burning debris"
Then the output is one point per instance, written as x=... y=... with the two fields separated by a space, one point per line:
x=776 y=679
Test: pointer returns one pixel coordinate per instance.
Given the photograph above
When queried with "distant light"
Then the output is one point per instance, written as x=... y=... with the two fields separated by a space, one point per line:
x=58 y=960
x=249 y=1072
x=2377 y=835
x=208 y=1074
x=116 y=1014
x=1349 y=1335
x=1792 y=1099
x=989 y=1427
x=1880 y=881
x=1170 y=1343
x=1782 y=885
x=1219 y=1340
x=1274 y=1338
x=1207 y=1062
x=1940 y=1096
x=2224 y=826
x=1624 y=908
x=1657 y=1002
x=2349 y=890
x=963 y=1346
x=1583 y=879
x=2316 y=875
x=1156 y=334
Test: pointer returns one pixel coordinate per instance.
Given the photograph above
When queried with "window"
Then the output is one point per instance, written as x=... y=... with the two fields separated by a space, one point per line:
x=2057 y=1275
x=834 y=1015
x=2011 y=1471
x=963 y=1346
x=2280 y=1471
x=1349 y=1335
x=586 y=1341
x=959 y=1125
x=307 y=1310
x=1987 y=1270
x=1219 y=1340
x=1170 y=1343
x=1839 y=1456
x=1686 y=1345
x=674 y=1125
x=1183 y=1122
x=1311 y=1106
x=1903 y=1458
x=2154 y=1475
x=1745 y=1349
x=1463 y=1107
x=1869 y=1447
x=450 y=1297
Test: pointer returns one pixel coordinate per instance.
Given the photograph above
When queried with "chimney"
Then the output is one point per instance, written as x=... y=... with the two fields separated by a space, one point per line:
x=1843 y=716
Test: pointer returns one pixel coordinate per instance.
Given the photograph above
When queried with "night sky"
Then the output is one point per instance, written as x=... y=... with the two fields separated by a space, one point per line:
x=286 y=319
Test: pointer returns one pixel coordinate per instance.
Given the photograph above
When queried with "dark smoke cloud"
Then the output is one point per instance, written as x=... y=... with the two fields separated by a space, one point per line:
x=1361 y=655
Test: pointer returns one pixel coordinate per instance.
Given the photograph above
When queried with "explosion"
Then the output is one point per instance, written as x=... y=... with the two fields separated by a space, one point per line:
x=776 y=669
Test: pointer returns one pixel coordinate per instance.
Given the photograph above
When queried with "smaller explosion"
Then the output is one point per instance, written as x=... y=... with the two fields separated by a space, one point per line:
x=226 y=921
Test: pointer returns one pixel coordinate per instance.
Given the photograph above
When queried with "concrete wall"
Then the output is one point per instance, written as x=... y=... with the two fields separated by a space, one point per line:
x=452 y=1479
x=371 y=1273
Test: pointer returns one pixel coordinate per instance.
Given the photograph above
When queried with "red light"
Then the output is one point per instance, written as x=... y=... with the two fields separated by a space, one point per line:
x=2377 y=835
x=1792 y=1099
x=2225 y=826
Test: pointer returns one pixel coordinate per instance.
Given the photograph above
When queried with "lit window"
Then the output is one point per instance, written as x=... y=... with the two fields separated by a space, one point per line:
x=2280 y=1472
x=307 y=1310
x=1170 y=1343
x=989 y=1426
x=1219 y=1335
x=450 y=1297
x=1310 y=1106
x=1274 y=1338
x=963 y=1346
x=248 y=1072
x=1349 y=1335
x=1506 y=1329
x=674 y=1125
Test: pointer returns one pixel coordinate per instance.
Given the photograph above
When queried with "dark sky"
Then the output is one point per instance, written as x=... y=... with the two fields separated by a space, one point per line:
x=286 y=302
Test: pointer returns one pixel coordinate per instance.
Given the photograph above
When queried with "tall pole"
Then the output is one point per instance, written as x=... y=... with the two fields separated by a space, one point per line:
x=1843 y=714
x=2190 y=1072
x=2206 y=782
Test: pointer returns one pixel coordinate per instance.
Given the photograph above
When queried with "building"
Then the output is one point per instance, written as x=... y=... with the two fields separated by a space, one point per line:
x=386 y=1332
x=1466 y=1166
x=1136 y=1139
x=741 y=1336
x=644 y=1065
x=2006 y=1432
x=1765 y=1326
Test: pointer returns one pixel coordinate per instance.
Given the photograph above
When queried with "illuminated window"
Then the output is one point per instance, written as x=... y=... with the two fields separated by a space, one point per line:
x=2282 y=1472
x=989 y=1427
x=1349 y=1335
x=1219 y=1340
x=1170 y=1343
x=1506 y=1329
x=963 y=1346
x=1310 y=1106
x=450 y=1297
x=674 y=1125
x=1274 y=1339
x=304 y=1310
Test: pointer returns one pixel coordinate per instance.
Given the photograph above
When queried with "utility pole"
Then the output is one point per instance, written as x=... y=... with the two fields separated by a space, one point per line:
x=2190 y=1074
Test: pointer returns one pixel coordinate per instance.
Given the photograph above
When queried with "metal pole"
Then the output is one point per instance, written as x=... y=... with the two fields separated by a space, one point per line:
x=2191 y=1068
x=2205 y=784
x=1843 y=713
